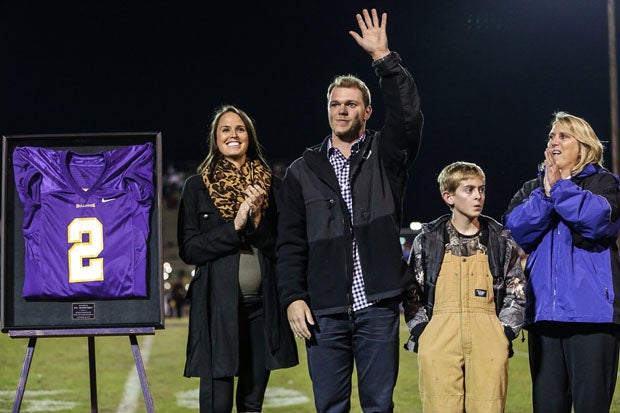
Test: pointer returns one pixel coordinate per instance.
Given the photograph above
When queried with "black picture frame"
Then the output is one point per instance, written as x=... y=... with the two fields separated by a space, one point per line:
x=16 y=313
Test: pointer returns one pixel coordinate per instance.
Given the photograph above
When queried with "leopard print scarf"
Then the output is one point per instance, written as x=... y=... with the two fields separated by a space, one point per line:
x=227 y=184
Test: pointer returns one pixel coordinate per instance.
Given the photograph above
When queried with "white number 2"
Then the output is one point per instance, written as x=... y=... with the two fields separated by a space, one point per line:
x=84 y=265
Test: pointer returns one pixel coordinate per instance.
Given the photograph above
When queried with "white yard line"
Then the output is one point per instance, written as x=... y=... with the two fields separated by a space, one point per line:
x=133 y=389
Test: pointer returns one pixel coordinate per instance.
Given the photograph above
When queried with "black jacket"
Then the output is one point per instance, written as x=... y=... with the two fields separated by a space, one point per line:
x=426 y=259
x=212 y=244
x=314 y=244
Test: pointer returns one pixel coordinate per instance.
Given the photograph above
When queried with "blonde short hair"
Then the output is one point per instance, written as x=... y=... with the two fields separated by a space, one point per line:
x=452 y=175
x=352 y=82
x=591 y=148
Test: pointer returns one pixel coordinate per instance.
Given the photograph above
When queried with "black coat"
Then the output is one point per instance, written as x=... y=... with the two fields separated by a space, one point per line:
x=315 y=256
x=206 y=240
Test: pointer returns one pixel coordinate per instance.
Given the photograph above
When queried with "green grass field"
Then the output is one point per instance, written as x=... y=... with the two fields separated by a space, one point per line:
x=59 y=377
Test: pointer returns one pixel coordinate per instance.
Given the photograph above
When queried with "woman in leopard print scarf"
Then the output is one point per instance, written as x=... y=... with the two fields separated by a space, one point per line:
x=235 y=171
x=227 y=228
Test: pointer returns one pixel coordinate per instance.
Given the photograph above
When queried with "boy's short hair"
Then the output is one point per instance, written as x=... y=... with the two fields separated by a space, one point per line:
x=452 y=175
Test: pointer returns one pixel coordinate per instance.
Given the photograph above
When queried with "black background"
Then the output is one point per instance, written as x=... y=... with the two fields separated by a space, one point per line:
x=490 y=74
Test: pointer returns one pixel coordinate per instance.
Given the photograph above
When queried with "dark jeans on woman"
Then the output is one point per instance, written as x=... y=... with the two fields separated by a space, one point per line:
x=368 y=338
x=573 y=364
x=216 y=395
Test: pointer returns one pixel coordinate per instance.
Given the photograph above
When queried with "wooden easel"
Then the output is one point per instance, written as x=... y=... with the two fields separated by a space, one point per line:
x=91 y=333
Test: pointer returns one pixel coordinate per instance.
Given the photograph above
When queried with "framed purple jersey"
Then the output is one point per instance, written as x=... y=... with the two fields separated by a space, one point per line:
x=86 y=221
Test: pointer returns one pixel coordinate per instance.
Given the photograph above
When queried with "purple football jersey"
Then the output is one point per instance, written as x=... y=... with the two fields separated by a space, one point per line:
x=86 y=221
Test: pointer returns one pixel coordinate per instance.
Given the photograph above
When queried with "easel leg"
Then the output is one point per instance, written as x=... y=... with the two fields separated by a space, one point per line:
x=148 y=401
x=17 y=403
x=92 y=368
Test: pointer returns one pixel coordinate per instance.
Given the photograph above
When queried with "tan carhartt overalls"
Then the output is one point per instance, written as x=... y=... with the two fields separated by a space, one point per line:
x=463 y=351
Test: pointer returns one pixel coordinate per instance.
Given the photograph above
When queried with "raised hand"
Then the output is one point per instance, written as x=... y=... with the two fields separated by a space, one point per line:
x=251 y=207
x=552 y=172
x=373 y=38
x=256 y=197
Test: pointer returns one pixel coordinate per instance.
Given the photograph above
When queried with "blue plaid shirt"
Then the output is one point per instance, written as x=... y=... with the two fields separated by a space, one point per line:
x=341 y=166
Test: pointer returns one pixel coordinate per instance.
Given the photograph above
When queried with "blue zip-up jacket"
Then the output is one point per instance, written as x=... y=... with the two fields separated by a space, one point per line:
x=573 y=268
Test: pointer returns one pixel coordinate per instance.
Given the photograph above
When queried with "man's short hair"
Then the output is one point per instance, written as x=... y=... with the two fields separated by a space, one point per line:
x=353 y=82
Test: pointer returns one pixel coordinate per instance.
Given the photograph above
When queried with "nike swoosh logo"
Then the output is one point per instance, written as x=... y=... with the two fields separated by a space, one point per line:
x=103 y=200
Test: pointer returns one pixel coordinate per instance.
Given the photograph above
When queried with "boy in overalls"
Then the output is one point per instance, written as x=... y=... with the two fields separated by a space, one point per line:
x=464 y=300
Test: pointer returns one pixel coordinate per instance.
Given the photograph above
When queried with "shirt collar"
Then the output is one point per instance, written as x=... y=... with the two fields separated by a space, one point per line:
x=354 y=146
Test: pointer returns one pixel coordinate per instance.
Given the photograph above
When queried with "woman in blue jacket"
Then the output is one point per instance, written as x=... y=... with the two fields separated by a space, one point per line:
x=567 y=221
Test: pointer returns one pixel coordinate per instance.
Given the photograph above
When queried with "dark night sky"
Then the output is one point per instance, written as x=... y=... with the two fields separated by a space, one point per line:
x=490 y=74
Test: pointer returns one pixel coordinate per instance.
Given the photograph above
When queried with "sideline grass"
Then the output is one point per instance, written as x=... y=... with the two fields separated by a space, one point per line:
x=59 y=378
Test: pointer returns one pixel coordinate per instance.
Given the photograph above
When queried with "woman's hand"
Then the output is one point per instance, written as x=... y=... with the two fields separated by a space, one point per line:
x=257 y=198
x=552 y=172
x=251 y=207
x=241 y=218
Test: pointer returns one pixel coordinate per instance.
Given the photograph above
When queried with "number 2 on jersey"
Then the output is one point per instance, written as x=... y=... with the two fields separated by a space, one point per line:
x=86 y=235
